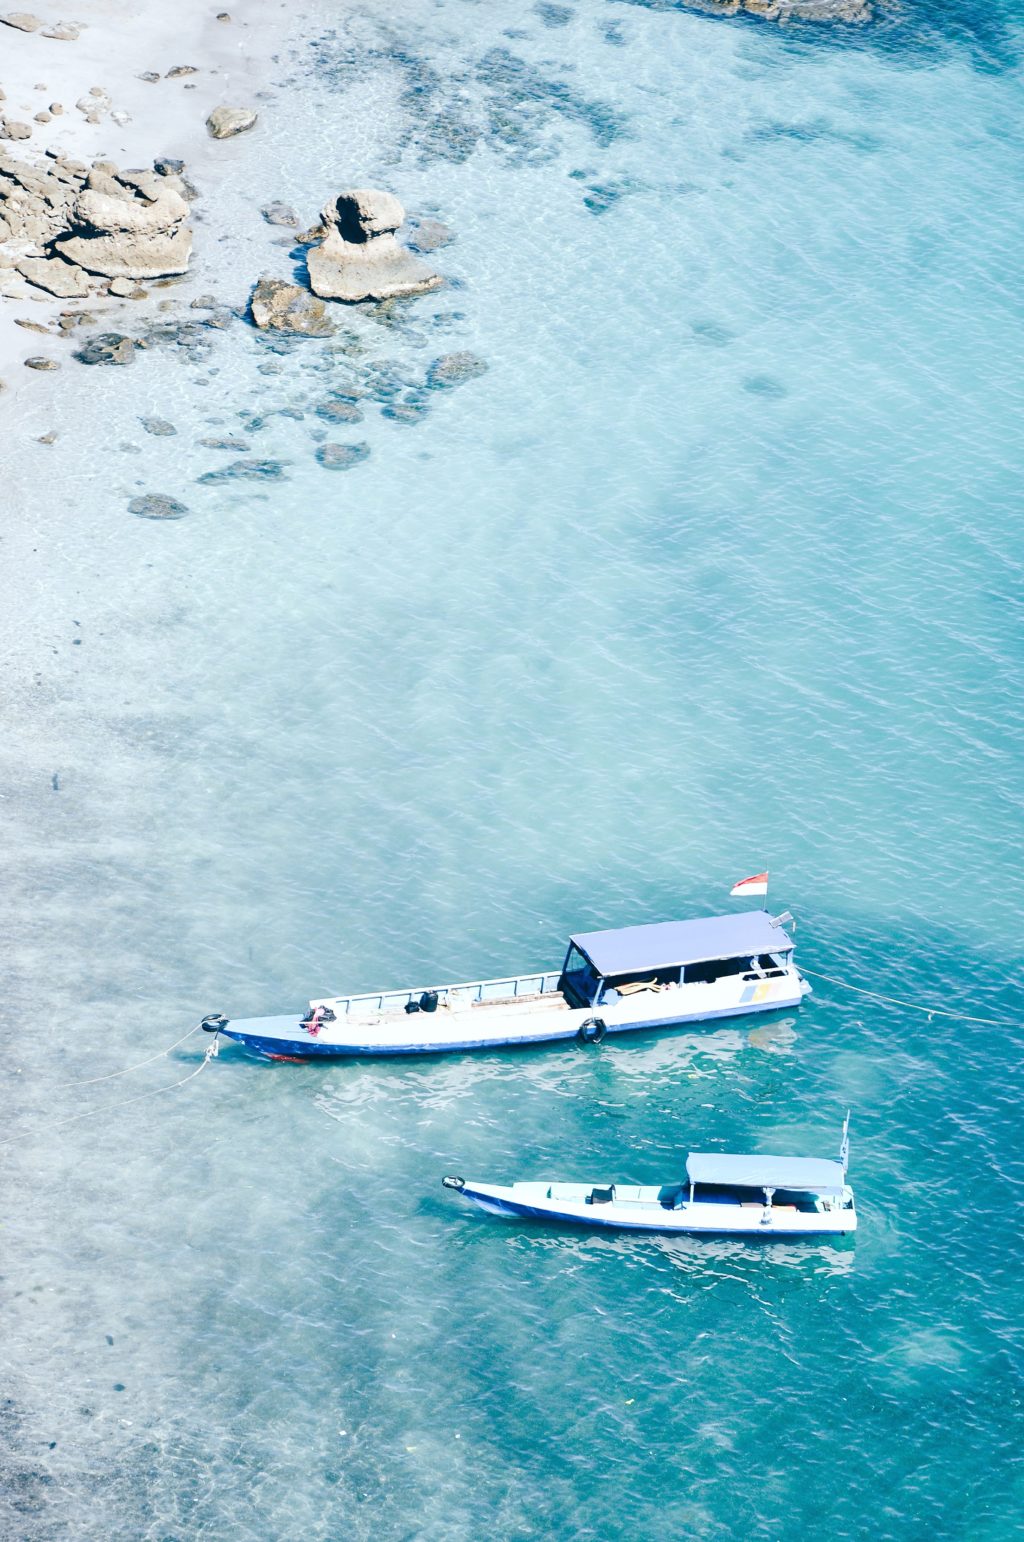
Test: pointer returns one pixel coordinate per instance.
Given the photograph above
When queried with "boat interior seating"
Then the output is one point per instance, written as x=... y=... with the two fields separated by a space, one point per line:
x=627 y=985
x=721 y=1194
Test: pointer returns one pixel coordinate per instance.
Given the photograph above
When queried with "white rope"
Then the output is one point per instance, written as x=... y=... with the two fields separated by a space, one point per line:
x=913 y=1006
x=108 y=1108
x=125 y=1069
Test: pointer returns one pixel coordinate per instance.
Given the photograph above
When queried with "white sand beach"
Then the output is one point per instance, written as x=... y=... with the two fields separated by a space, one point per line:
x=114 y=50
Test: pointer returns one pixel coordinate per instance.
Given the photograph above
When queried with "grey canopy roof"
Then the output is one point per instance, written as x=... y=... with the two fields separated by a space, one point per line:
x=811 y=1174
x=668 y=943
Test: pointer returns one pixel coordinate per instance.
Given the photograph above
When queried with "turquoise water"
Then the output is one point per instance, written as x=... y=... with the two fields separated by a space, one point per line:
x=717 y=566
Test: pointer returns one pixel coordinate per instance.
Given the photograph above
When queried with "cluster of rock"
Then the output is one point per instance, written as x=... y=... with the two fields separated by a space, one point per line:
x=354 y=255
x=72 y=229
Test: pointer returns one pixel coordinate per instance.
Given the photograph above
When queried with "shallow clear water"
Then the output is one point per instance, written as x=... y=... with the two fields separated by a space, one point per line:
x=717 y=566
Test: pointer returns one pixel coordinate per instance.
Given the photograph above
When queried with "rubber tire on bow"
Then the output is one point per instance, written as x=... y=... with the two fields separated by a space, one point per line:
x=591 y=1031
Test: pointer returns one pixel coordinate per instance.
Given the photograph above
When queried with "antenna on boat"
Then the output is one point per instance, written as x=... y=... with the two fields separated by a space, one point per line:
x=844 y=1144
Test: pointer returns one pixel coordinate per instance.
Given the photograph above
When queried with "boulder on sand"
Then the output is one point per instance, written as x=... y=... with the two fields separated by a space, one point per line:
x=359 y=258
x=226 y=122
x=55 y=276
x=125 y=235
x=281 y=307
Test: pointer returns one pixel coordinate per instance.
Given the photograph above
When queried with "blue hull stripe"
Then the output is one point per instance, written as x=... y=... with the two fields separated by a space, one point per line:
x=307 y=1048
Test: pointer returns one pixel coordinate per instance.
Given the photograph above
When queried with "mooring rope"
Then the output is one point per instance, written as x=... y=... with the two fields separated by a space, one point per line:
x=108 y=1108
x=126 y=1069
x=913 y=1006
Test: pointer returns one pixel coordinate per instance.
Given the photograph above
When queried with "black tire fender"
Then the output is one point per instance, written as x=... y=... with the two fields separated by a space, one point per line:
x=591 y=1031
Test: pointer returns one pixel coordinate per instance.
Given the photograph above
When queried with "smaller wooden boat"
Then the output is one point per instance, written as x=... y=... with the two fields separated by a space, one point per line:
x=724 y=1194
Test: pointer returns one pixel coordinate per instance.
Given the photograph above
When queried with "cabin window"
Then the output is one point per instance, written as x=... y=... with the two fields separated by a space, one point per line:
x=579 y=979
x=707 y=972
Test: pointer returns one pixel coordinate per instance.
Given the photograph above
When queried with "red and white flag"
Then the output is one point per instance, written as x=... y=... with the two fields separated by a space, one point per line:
x=750 y=886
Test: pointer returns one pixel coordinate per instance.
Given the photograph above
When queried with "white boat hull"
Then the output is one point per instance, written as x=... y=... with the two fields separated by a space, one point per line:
x=650 y=1209
x=475 y=1016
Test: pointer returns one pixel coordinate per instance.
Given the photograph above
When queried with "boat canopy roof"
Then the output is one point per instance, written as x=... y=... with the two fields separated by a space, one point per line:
x=632 y=949
x=813 y=1175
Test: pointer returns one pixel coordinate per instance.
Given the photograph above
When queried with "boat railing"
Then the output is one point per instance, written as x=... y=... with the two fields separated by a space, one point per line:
x=464 y=994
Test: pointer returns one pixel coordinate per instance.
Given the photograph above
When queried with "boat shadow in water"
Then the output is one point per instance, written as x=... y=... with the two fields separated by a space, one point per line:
x=712 y=1259
x=663 y=1048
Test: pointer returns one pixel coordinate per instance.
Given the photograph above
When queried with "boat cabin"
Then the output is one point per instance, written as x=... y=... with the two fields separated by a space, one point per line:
x=810 y=1184
x=604 y=967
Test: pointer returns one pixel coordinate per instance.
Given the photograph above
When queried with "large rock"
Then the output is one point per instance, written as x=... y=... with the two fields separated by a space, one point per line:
x=225 y=122
x=121 y=235
x=281 y=307
x=22 y=20
x=359 y=258
x=56 y=277
x=9 y=129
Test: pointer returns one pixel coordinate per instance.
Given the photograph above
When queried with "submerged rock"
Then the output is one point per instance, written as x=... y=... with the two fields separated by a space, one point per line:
x=454 y=368
x=107 y=348
x=226 y=122
x=228 y=443
x=428 y=235
x=283 y=307
x=359 y=258
x=37 y=361
x=280 y=214
x=247 y=470
x=157 y=506
x=339 y=457
x=412 y=410
x=158 y=426
x=339 y=412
